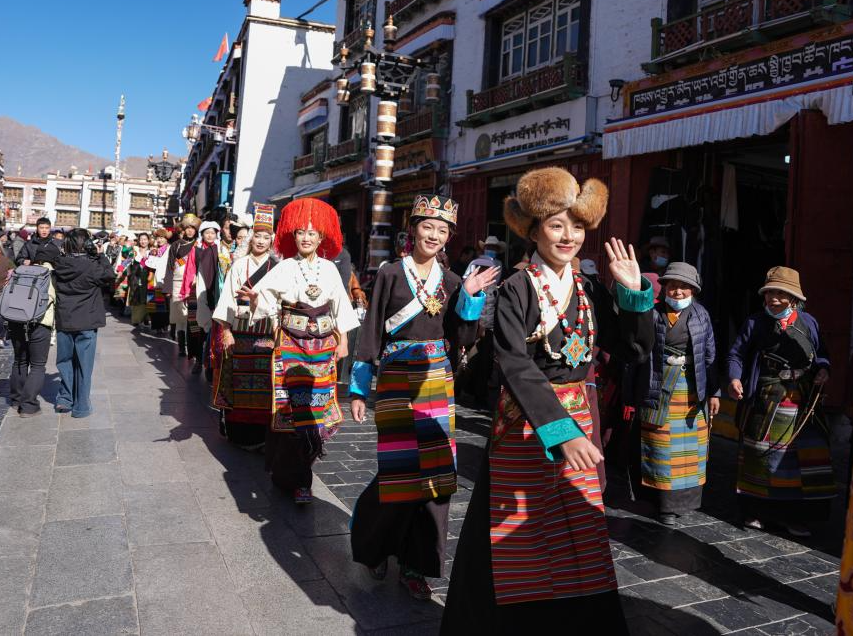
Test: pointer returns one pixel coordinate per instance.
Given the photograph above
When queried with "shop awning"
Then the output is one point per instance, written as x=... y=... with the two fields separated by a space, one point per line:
x=288 y=193
x=742 y=116
x=562 y=147
x=323 y=188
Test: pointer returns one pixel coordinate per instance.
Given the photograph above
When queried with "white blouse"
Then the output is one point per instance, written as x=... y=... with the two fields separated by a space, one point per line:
x=227 y=310
x=286 y=284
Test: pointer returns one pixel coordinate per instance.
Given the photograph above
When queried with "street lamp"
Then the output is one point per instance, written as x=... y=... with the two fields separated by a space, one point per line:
x=162 y=171
x=221 y=134
x=388 y=76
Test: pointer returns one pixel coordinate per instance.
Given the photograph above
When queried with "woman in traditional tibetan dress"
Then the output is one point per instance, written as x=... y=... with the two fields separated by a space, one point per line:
x=778 y=366
x=242 y=386
x=415 y=305
x=182 y=308
x=534 y=548
x=135 y=274
x=672 y=387
x=201 y=282
x=314 y=314
x=157 y=304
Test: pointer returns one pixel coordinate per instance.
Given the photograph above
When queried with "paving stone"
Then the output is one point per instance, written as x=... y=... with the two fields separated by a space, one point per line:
x=29 y=432
x=96 y=446
x=730 y=614
x=98 y=420
x=25 y=468
x=186 y=589
x=163 y=513
x=327 y=516
x=146 y=463
x=140 y=427
x=81 y=559
x=21 y=517
x=374 y=604
x=77 y=492
x=668 y=592
x=310 y=608
x=15 y=575
x=102 y=617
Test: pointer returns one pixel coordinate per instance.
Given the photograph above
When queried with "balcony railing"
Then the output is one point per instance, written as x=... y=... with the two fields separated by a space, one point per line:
x=312 y=162
x=402 y=10
x=430 y=122
x=560 y=82
x=349 y=150
x=736 y=17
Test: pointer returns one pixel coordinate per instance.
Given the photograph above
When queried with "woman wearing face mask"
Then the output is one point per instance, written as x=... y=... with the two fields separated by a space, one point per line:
x=314 y=314
x=534 y=548
x=672 y=388
x=778 y=366
x=415 y=305
x=242 y=387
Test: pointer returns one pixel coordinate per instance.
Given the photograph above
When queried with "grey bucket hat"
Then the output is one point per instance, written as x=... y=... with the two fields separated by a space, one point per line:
x=684 y=272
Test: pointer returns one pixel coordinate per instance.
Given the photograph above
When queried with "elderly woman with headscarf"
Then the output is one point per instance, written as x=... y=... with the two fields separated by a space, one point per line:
x=777 y=367
x=678 y=395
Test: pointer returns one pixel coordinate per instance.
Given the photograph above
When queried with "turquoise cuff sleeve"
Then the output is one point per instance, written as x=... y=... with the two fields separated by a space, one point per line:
x=557 y=432
x=470 y=307
x=636 y=301
x=361 y=377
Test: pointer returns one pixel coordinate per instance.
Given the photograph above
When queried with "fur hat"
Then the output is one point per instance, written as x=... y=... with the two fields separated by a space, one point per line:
x=190 y=220
x=297 y=214
x=545 y=192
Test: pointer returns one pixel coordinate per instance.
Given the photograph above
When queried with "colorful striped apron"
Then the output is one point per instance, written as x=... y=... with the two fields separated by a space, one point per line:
x=415 y=421
x=547 y=526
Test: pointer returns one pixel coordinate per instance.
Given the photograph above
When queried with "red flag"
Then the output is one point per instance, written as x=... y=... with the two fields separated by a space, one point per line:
x=205 y=104
x=223 y=49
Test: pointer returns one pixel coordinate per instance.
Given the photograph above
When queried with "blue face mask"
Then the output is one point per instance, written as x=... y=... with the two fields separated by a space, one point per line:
x=661 y=261
x=679 y=304
x=490 y=253
x=781 y=315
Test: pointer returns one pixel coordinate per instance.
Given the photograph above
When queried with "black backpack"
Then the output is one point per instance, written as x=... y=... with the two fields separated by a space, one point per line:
x=26 y=297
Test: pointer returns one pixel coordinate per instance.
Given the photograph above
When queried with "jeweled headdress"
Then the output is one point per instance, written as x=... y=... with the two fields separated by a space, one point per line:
x=434 y=206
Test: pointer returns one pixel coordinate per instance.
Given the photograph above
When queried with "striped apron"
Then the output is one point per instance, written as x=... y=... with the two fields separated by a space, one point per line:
x=547 y=526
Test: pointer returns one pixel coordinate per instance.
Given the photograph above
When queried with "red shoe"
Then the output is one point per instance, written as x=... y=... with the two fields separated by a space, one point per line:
x=416 y=585
x=303 y=496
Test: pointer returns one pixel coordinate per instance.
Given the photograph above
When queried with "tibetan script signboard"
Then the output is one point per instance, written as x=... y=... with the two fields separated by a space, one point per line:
x=808 y=62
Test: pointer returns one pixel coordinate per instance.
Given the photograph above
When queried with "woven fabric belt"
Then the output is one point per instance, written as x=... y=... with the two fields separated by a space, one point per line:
x=320 y=326
x=791 y=374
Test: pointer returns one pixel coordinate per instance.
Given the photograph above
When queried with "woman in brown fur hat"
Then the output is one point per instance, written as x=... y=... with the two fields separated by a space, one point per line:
x=534 y=548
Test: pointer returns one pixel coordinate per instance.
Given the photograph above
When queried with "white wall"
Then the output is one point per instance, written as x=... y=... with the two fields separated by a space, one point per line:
x=281 y=63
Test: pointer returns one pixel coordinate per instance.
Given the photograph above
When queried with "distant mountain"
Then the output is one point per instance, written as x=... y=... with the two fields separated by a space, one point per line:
x=38 y=153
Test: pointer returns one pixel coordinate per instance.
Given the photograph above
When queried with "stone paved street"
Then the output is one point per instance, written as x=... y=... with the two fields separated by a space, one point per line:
x=141 y=519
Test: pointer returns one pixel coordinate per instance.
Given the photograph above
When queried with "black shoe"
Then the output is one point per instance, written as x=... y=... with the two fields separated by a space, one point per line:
x=60 y=408
x=182 y=344
x=172 y=332
x=668 y=518
x=197 y=367
x=26 y=415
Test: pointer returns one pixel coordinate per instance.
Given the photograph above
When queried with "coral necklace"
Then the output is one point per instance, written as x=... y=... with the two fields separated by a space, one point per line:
x=575 y=349
x=432 y=303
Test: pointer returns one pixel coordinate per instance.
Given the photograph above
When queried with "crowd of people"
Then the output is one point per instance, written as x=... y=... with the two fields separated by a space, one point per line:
x=275 y=316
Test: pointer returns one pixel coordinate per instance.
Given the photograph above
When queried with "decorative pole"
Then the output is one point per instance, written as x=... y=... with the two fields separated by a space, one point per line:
x=117 y=178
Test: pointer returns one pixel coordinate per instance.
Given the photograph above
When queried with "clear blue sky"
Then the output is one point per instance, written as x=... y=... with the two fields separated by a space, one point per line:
x=65 y=65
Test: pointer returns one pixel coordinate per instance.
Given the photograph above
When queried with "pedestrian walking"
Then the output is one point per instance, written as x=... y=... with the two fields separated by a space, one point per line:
x=534 y=547
x=314 y=315
x=157 y=304
x=678 y=395
x=80 y=274
x=242 y=387
x=182 y=308
x=778 y=367
x=415 y=305
x=42 y=236
x=135 y=276
x=202 y=281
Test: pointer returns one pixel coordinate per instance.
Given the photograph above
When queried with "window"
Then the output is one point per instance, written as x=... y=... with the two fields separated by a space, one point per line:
x=101 y=199
x=140 y=201
x=512 y=46
x=64 y=218
x=101 y=219
x=39 y=195
x=140 y=222
x=568 y=27
x=67 y=197
x=13 y=195
x=539 y=31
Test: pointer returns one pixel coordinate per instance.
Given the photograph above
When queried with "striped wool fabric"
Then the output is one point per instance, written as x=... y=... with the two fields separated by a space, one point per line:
x=195 y=335
x=243 y=379
x=775 y=467
x=548 y=530
x=415 y=421
x=674 y=436
x=155 y=300
x=305 y=384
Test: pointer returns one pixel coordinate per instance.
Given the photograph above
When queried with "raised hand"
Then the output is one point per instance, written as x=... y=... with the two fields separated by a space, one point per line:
x=623 y=264
x=480 y=281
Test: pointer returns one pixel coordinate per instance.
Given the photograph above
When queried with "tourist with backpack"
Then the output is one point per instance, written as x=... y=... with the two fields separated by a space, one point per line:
x=80 y=274
x=27 y=304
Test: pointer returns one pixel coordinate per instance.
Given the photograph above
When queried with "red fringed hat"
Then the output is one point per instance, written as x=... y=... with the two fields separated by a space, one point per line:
x=296 y=215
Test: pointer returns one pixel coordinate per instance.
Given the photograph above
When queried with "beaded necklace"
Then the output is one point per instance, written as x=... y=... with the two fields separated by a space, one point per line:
x=432 y=303
x=313 y=290
x=575 y=349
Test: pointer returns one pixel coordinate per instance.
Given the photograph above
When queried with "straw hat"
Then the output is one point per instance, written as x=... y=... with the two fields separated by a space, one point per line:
x=784 y=279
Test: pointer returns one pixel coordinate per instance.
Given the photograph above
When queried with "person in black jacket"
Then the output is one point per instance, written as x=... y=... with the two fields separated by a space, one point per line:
x=80 y=274
x=27 y=255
